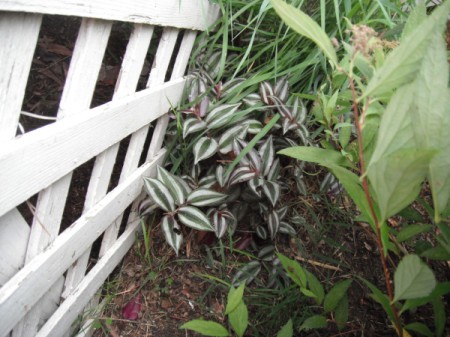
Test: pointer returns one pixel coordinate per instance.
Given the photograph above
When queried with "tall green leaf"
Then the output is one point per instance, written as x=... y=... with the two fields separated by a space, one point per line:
x=304 y=25
x=314 y=322
x=206 y=328
x=316 y=155
x=335 y=295
x=403 y=63
x=239 y=319
x=432 y=118
x=413 y=279
x=234 y=298
x=287 y=330
x=294 y=270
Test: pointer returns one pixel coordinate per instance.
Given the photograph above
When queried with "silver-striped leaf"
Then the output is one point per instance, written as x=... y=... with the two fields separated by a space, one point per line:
x=282 y=212
x=146 y=207
x=274 y=170
x=254 y=160
x=273 y=223
x=220 y=175
x=281 y=89
x=241 y=174
x=160 y=194
x=172 y=233
x=208 y=181
x=267 y=153
x=229 y=86
x=254 y=126
x=282 y=108
x=177 y=191
x=194 y=218
x=205 y=148
x=266 y=253
x=183 y=184
x=205 y=197
x=192 y=125
x=266 y=91
x=247 y=273
x=256 y=186
x=221 y=221
x=286 y=228
x=299 y=111
x=227 y=138
x=252 y=99
x=261 y=232
x=272 y=191
x=221 y=115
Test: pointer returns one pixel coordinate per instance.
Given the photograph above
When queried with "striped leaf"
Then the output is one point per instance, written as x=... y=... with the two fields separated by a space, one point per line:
x=256 y=186
x=206 y=147
x=282 y=108
x=285 y=228
x=266 y=91
x=221 y=115
x=267 y=154
x=261 y=232
x=247 y=273
x=288 y=125
x=254 y=160
x=254 y=126
x=274 y=170
x=272 y=191
x=252 y=100
x=231 y=85
x=172 y=232
x=241 y=174
x=176 y=190
x=183 y=184
x=266 y=253
x=226 y=140
x=281 y=89
x=221 y=221
x=146 y=207
x=205 y=197
x=160 y=194
x=282 y=212
x=192 y=125
x=273 y=223
x=299 y=111
x=194 y=218
x=208 y=181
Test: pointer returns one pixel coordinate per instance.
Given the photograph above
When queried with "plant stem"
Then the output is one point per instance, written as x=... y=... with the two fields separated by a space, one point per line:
x=365 y=185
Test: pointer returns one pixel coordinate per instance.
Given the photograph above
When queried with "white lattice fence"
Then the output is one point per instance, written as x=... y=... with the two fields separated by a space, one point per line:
x=44 y=276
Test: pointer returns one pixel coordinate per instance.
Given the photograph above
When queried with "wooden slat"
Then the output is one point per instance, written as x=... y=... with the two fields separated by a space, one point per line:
x=77 y=95
x=18 y=36
x=79 y=298
x=63 y=146
x=14 y=232
x=192 y=14
x=130 y=72
x=24 y=289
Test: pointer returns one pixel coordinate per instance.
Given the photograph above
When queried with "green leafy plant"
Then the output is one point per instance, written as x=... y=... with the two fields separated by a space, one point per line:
x=398 y=102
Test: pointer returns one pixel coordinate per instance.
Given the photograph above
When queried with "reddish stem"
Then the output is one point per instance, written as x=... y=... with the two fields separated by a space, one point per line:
x=365 y=184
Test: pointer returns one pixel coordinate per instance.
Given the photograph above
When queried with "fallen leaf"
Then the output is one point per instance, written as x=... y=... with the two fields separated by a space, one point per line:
x=132 y=309
x=244 y=242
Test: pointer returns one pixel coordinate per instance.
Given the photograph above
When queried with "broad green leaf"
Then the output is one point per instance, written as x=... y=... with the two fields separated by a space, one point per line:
x=410 y=231
x=436 y=253
x=397 y=179
x=315 y=287
x=336 y=293
x=307 y=293
x=440 y=290
x=247 y=273
x=304 y=25
x=316 y=155
x=294 y=270
x=160 y=194
x=239 y=319
x=172 y=233
x=204 y=148
x=415 y=18
x=205 y=197
x=403 y=63
x=432 y=118
x=194 y=218
x=221 y=115
x=314 y=322
x=413 y=279
x=341 y=312
x=192 y=125
x=206 y=328
x=287 y=330
x=440 y=317
x=235 y=296
x=419 y=328
x=175 y=188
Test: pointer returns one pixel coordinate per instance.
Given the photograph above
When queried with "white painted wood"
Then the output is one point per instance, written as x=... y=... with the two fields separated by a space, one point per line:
x=191 y=14
x=14 y=232
x=40 y=157
x=101 y=174
x=74 y=304
x=25 y=288
x=178 y=71
x=18 y=36
x=77 y=95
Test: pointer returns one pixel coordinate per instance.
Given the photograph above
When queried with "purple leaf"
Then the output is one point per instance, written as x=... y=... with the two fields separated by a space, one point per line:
x=132 y=309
